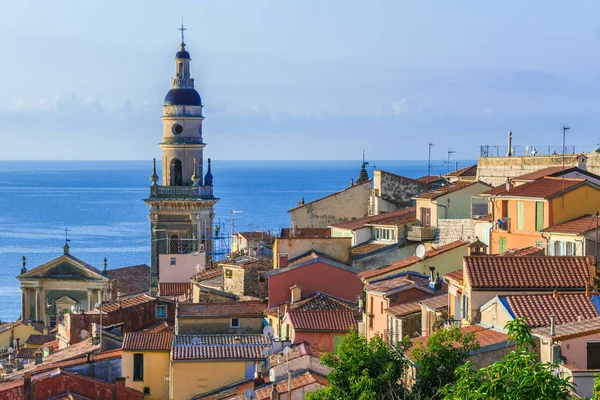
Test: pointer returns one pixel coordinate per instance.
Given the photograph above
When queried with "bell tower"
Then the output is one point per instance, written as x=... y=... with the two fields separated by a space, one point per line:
x=181 y=207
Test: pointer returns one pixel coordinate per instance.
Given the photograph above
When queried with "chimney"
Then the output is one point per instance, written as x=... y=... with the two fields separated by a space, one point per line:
x=89 y=357
x=259 y=380
x=555 y=295
x=293 y=230
x=120 y=388
x=95 y=334
x=283 y=260
x=38 y=357
x=507 y=184
x=28 y=386
x=237 y=340
x=19 y=364
x=18 y=345
x=552 y=326
x=50 y=349
x=582 y=162
x=274 y=393
x=296 y=293
x=587 y=290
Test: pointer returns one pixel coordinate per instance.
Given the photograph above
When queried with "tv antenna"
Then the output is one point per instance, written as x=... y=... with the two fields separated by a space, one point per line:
x=429 y=161
x=450 y=152
x=67 y=240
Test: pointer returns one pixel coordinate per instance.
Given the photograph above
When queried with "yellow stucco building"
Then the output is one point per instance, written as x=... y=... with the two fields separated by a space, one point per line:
x=10 y=332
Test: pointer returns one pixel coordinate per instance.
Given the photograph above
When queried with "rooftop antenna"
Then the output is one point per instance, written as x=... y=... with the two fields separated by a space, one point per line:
x=565 y=129
x=67 y=240
x=450 y=151
x=429 y=162
x=182 y=29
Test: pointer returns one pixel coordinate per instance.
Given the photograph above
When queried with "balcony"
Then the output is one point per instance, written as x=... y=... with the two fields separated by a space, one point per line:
x=421 y=233
x=166 y=192
x=503 y=224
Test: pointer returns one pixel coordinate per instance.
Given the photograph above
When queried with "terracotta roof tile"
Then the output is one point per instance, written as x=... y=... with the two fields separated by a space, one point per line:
x=525 y=251
x=397 y=217
x=173 y=289
x=567 y=307
x=305 y=233
x=313 y=255
x=250 y=308
x=130 y=302
x=40 y=339
x=486 y=217
x=498 y=190
x=436 y=302
x=247 y=262
x=540 y=173
x=444 y=190
x=407 y=262
x=429 y=179
x=577 y=226
x=27 y=353
x=544 y=188
x=530 y=272
x=305 y=379
x=570 y=330
x=218 y=352
x=208 y=273
x=467 y=171
x=335 y=321
x=217 y=340
x=148 y=341
x=455 y=275
x=366 y=248
x=128 y=281
x=391 y=284
x=403 y=309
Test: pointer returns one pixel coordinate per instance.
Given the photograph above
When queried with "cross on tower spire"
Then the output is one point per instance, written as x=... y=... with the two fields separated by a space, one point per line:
x=182 y=29
x=67 y=240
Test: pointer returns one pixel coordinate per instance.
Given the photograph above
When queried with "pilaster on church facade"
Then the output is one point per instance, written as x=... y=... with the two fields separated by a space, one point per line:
x=181 y=207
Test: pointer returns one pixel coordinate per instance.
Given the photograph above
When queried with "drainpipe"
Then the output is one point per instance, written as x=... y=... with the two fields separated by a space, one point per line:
x=547 y=242
x=445 y=209
x=581 y=242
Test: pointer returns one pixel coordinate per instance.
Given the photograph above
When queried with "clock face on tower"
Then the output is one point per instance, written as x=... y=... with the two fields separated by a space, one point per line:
x=177 y=129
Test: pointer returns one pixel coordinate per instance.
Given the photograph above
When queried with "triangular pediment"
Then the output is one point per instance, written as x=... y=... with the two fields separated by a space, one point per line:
x=65 y=267
x=66 y=300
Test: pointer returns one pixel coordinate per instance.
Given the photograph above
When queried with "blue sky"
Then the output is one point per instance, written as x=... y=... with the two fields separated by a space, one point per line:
x=299 y=79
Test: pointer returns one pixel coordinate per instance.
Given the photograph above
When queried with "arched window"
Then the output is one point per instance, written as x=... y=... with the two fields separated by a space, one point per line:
x=174 y=245
x=176 y=172
x=180 y=73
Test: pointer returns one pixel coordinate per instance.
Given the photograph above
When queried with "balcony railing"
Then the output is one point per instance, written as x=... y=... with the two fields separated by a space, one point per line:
x=420 y=233
x=202 y=192
x=503 y=224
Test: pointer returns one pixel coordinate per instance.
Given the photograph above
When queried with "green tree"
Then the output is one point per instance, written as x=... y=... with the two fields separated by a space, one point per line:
x=517 y=376
x=446 y=350
x=365 y=370
x=596 y=388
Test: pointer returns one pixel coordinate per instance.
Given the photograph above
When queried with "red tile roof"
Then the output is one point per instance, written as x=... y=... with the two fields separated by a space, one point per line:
x=567 y=307
x=570 y=330
x=544 y=188
x=366 y=248
x=218 y=340
x=148 y=341
x=392 y=284
x=455 y=275
x=530 y=272
x=173 y=289
x=498 y=190
x=577 y=226
x=256 y=235
x=305 y=379
x=131 y=302
x=208 y=273
x=333 y=321
x=27 y=353
x=447 y=189
x=540 y=173
x=218 y=352
x=467 y=171
x=251 y=308
x=407 y=262
x=397 y=217
x=248 y=262
x=40 y=339
x=128 y=281
x=403 y=309
x=525 y=251
x=306 y=233
x=429 y=179
x=436 y=302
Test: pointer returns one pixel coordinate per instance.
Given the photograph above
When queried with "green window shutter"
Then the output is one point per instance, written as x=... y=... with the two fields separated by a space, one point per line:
x=539 y=216
x=520 y=215
x=502 y=245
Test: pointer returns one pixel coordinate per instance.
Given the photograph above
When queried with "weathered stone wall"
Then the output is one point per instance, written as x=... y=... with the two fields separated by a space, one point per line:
x=388 y=256
x=450 y=230
x=494 y=170
x=195 y=326
x=392 y=192
x=347 y=204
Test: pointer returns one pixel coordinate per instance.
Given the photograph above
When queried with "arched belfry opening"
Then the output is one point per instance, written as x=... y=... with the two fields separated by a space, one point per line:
x=180 y=70
x=174 y=245
x=176 y=172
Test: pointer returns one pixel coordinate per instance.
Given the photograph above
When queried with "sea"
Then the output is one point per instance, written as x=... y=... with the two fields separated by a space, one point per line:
x=98 y=206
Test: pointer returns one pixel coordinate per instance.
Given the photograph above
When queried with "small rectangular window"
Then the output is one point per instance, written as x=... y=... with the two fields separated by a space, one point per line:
x=161 y=311
x=261 y=277
x=138 y=367
x=146 y=391
x=228 y=273
x=173 y=261
x=234 y=323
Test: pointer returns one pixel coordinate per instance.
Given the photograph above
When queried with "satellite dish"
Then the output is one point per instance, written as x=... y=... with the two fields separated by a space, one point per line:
x=420 y=252
x=268 y=331
x=250 y=394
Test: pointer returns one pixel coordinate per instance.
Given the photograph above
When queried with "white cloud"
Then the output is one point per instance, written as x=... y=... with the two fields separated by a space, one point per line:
x=400 y=107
